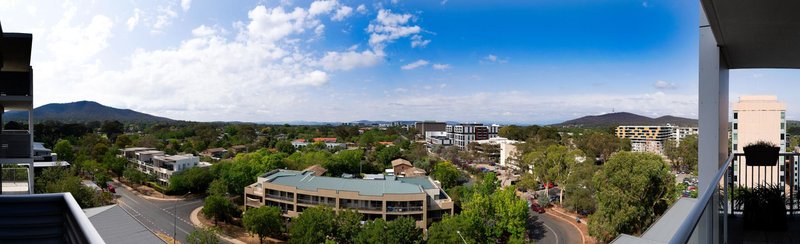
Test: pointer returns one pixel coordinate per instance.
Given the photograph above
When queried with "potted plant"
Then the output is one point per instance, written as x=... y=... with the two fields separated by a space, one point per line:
x=763 y=207
x=761 y=153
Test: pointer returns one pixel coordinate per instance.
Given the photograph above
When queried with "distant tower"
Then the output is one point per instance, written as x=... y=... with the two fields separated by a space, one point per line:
x=759 y=118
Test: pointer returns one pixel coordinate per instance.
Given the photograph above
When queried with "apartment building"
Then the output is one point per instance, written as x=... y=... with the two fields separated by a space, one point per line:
x=438 y=138
x=330 y=143
x=462 y=135
x=651 y=138
x=387 y=197
x=159 y=164
x=759 y=118
x=507 y=152
x=423 y=127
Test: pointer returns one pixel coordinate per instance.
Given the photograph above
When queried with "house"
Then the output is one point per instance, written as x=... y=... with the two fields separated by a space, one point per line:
x=401 y=165
x=324 y=139
x=215 y=153
x=317 y=169
x=238 y=149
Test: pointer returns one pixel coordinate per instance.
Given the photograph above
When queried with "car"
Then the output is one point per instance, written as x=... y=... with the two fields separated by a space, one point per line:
x=536 y=208
x=110 y=188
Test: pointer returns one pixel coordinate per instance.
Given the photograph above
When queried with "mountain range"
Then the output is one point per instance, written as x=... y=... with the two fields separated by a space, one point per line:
x=625 y=118
x=82 y=111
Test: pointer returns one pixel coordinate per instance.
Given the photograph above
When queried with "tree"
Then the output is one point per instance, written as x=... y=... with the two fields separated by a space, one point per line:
x=314 y=225
x=112 y=129
x=194 y=179
x=633 y=189
x=218 y=187
x=599 y=145
x=580 y=188
x=387 y=154
x=403 y=230
x=451 y=229
x=446 y=173
x=263 y=221
x=347 y=161
x=203 y=236
x=218 y=208
x=553 y=163
x=284 y=146
x=134 y=176
x=64 y=150
x=348 y=226
x=123 y=141
x=374 y=232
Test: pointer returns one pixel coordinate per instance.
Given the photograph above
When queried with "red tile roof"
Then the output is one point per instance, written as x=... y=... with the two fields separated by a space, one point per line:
x=325 y=139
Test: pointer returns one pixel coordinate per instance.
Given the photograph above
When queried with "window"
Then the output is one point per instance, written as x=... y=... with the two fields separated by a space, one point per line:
x=735 y=136
x=783 y=136
x=735 y=115
x=783 y=114
x=735 y=126
x=734 y=147
x=783 y=126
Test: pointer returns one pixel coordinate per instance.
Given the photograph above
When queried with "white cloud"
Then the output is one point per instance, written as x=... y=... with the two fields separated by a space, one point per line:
x=361 y=9
x=389 y=26
x=417 y=41
x=491 y=58
x=441 y=66
x=443 y=2
x=350 y=59
x=186 y=4
x=664 y=85
x=203 y=30
x=133 y=20
x=164 y=18
x=415 y=64
x=322 y=7
x=79 y=43
x=342 y=13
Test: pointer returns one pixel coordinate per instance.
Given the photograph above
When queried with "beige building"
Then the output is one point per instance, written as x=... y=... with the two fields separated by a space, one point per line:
x=758 y=118
x=389 y=197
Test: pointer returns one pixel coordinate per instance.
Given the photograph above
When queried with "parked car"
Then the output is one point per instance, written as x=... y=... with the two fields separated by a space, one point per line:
x=110 y=187
x=536 y=208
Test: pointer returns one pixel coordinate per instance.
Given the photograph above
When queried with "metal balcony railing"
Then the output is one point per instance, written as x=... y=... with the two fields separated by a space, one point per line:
x=50 y=218
x=689 y=225
x=285 y=198
x=404 y=209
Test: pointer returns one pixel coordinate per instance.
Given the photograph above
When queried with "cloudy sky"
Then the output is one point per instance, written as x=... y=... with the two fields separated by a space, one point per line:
x=523 y=61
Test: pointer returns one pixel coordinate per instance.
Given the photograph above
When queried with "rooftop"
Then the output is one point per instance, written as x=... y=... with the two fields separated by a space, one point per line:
x=115 y=225
x=305 y=180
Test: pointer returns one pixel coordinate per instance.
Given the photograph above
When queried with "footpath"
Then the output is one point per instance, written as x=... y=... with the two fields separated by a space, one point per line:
x=570 y=218
x=138 y=191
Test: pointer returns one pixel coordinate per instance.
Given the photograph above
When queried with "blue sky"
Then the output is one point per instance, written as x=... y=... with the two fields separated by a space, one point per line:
x=516 y=61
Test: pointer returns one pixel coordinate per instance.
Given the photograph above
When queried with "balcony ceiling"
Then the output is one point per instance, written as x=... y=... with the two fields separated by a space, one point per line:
x=15 y=50
x=756 y=34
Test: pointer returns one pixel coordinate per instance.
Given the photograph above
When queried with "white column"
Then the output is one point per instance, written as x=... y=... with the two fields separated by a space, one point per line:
x=713 y=120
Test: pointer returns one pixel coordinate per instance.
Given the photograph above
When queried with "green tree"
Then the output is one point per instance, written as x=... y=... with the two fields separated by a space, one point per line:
x=599 y=145
x=64 y=150
x=403 y=230
x=633 y=189
x=387 y=154
x=218 y=208
x=194 y=179
x=553 y=163
x=347 y=161
x=314 y=225
x=203 y=236
x=374 y=232
x=264 y=221
x=580 y=188
x=285 y=146
x=134 y=176
x=123 y=141
x=446 y=173
x=348 y=226
x=218 y=187
x=112 y=129
x=449 y=229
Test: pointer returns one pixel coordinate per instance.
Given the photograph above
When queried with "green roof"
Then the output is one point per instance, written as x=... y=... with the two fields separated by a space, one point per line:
x=307 y=181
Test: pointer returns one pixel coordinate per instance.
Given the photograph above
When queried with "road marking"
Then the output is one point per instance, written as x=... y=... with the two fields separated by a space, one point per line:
x=130 y=198
x=551 y=230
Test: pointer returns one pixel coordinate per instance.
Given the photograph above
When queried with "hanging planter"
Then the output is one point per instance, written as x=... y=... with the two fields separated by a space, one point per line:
x=761 y=153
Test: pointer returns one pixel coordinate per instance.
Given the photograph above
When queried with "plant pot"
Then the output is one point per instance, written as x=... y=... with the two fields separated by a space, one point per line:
x=761 y=156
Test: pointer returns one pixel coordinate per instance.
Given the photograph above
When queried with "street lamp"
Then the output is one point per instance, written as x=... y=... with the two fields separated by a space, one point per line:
x=462 y=237
x=175 y=223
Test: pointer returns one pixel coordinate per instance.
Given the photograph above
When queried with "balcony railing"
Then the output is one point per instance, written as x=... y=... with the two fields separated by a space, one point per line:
x=689 y=225
x=285 y=198
x=361 y=207
x=313 y=202
x=404 y=209
x=48 y=218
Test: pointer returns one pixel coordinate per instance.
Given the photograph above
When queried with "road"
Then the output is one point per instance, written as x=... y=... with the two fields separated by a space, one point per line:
x=159 y=216
x=544 y=228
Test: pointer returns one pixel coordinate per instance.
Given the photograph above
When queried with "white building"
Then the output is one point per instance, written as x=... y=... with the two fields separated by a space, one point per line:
x=437 y=138
x=508 y=149
x=157 y=163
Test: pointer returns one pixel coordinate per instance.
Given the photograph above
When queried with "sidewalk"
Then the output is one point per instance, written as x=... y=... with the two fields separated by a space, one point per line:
x=136 y=191
x=582 y=227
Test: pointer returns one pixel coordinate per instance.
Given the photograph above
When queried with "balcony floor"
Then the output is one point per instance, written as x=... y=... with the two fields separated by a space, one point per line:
x=737 y=234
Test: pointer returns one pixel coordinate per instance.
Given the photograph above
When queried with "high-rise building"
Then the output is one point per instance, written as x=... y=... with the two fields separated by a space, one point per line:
x=429 y=126
x=758 y=118
x=646 y=138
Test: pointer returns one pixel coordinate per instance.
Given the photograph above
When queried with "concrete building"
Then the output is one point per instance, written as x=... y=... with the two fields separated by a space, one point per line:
x=387 y=197
x=438 y=138
x=758 y=118
x=508 y=149
x=157 y=163
x=646 y=138
x=429 y=126
x=464 y=134
x=680 y=133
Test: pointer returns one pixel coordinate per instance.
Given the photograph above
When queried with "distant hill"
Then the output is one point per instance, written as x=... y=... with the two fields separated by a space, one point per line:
x=83 y=111
x=625 y=118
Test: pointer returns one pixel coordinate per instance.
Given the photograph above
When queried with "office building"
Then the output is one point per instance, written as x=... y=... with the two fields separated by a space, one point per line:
x=159 y=164
x=759 y=118
x=462 y=135
x=507 y=150
x=387 y=197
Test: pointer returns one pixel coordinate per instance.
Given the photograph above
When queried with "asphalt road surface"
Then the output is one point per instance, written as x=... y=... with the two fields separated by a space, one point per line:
x=547 y=229
x=159 y=216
